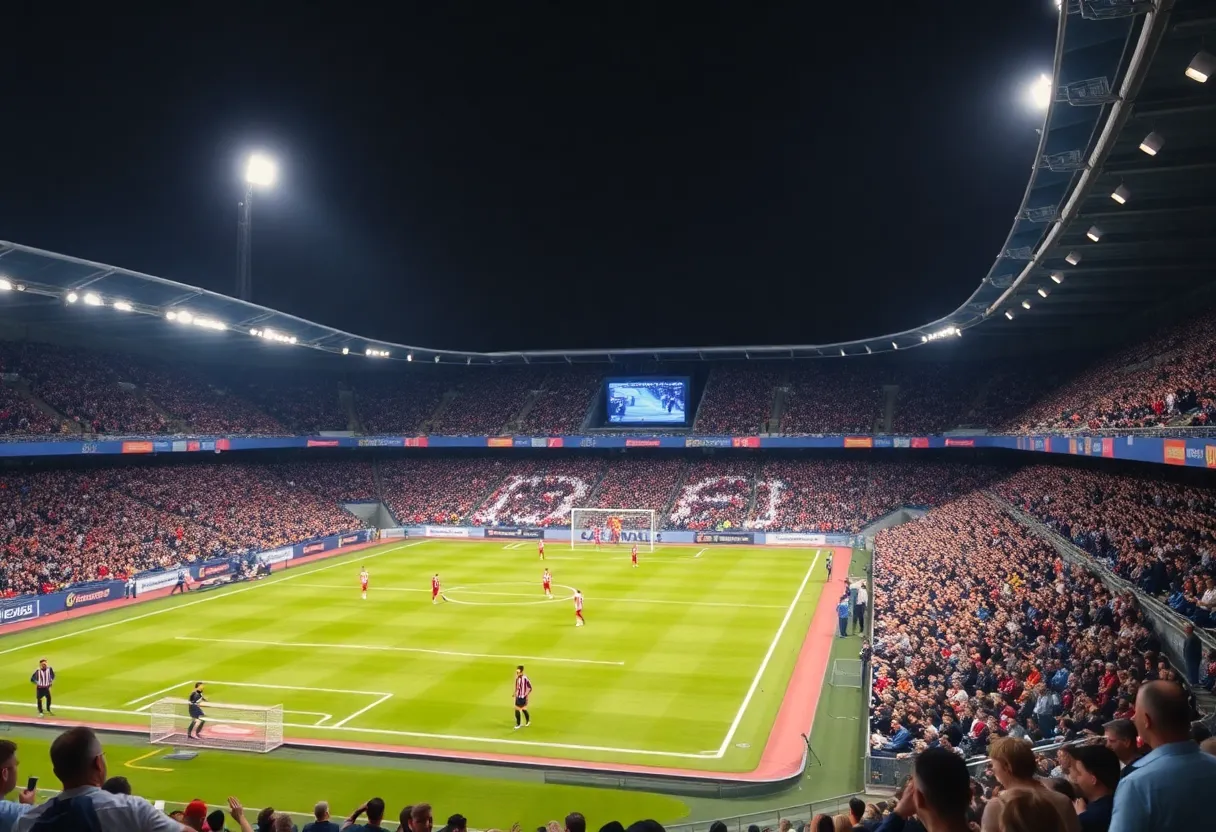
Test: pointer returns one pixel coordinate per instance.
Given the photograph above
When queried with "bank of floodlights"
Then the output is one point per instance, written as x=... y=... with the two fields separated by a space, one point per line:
x=375 y=353
x=188 y=318
x=942 y=333
x=272 y=335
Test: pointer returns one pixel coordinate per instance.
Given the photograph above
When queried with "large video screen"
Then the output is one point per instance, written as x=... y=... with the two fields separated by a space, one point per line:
x=647 y=401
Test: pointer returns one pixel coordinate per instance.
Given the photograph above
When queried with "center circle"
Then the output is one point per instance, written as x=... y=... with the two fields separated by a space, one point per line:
x=490 y=594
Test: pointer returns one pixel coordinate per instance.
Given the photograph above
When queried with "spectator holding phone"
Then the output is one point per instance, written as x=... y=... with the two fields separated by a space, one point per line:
x=10 y=811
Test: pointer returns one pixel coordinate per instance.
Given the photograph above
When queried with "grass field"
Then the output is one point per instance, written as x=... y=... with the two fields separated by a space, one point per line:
x=683 y=662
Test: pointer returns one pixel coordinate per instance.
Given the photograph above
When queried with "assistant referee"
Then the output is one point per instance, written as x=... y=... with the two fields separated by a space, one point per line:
x=43 y=678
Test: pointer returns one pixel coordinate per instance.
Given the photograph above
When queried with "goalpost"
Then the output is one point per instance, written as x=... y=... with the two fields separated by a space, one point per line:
x=636 y=525
x=231 y=727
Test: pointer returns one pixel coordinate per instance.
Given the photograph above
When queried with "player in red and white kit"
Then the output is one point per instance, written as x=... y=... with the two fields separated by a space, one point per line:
x=363 y=582
x=578 y=609
x=546 y=581
x=540 y=547
x=435 y=589
x=634 y=556
x=595 y=535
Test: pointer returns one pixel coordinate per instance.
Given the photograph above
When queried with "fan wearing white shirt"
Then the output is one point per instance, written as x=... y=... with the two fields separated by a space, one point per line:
x=80 y=764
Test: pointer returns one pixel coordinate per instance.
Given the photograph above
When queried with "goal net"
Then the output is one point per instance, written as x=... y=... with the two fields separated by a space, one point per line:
x=231 y=727
x=616 y=526
x=846 y=673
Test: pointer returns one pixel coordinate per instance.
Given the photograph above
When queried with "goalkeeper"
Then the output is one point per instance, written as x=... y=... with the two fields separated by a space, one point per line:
x=196 y=713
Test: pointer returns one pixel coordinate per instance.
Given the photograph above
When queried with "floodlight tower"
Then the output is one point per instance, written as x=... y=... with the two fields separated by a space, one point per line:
x=260 y=172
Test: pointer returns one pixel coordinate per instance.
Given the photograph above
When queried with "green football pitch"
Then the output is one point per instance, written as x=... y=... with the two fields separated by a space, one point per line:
x=683 y=662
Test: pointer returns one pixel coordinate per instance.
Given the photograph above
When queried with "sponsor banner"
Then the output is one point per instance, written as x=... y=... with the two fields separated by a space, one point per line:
x=1209 y=455
x=515 y=532
x=322 y=443
x=638 y=536
x=446 y=531
x=417 y=441
x=643 y=443
x=859 y=442
x=209 y=570
x=382 y=442
x=901 y=442
x=499 y=442
x=1072 y=445
x=724 y=537
x=745 y=441
x=276 y=556
x=155 y=580
x=884 y=442
x=522 y=442
x=920 y=442
x=1194 y=454
x=555 y=442
x=137 y=447
x=952 y=442
x=193 y=445
x=1108 y=447
x=180 y=446
x=539 y=441
x=707 y=442
x=312 y=548
x=1174 y=451
x=347 y=539
x=796 y=539
x=18 y=609
x=92 y=595
x=222 y=445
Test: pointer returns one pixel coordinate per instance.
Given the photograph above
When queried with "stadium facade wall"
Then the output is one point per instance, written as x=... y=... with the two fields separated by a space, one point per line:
x=26 y=608
x=1193 y=452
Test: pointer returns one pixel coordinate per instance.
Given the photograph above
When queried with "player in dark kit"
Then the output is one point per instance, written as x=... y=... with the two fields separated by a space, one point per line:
x=196 y=712
x=523 y=689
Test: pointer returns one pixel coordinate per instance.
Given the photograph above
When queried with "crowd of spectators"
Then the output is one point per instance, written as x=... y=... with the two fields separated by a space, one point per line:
x=351 y=481
x=1166 y=378
x=399 y=403
x=20 y=417
x=716 y=494
x=981 y=631
x=562 y=404
x=828 y=495
x=438 y=490
x=631 y=482
x=303 y=403
x=541 y=492
x=203 y=404
x=934 y=397
x=831 y=397
x=1159 y=534
x=486 y=400
x=737 y=400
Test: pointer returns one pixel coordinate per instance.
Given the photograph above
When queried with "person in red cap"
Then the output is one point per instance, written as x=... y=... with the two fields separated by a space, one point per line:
x=195 y=815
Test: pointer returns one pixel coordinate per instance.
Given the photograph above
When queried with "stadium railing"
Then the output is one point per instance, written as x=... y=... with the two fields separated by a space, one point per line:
x=770 y=818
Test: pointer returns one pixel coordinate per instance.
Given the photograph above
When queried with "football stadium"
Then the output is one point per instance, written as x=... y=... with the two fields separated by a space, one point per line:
x=250 y=555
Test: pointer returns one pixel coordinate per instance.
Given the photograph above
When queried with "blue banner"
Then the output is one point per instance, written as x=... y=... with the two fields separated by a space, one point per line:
x=514 y=532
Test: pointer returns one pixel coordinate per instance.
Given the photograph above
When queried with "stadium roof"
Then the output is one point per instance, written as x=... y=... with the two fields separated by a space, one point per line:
x=1119 y=75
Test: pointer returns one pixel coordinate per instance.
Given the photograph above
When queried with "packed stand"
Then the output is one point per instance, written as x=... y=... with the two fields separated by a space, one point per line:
x=541 y=492
x=20 y=418
x=486 y=400
x=438 y=490
x=343 y=482
x=980 y=631
x=204 y=406
x=1007 y=390
x=716 y=494
x=1159 y=535
x=1166 y=379
x=832 y=398
x=85 y=386
x=737 y=400
x=934 y=398
x=562 y=405
x=399 y=403
x=639 y=483
x=304 y=404
x=845 y=495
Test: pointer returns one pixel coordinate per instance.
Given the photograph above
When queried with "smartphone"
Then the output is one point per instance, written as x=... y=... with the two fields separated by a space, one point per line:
x=32 y=784
x=159 y=805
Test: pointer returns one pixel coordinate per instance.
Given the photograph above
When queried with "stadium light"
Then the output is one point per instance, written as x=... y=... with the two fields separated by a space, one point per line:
x=1040 y=92
x=941 y=333
x=1094 y=233
x=373 y=353
x=1152 y=143
x=1025 y=304
x=123 y=306
x=1201 y=67
x=868 y=352
x=72 y=297
x=271 y=335
x=1042 y=292
x=92 y=299
x=1073 y=258
x=409 y=357
x=894 y=345
x=1008 y=314
x=6 y=285
x=346 y=350
x=261 y=170
x=1121 y=194
x=1057 y=277
x=436 y=359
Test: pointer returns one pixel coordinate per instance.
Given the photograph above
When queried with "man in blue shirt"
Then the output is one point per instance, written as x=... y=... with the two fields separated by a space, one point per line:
x=1169 y=787
x=842 y=614
x=9 y=811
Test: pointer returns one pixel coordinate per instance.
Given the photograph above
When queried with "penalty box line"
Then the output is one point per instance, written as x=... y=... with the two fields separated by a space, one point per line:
x=380 y=697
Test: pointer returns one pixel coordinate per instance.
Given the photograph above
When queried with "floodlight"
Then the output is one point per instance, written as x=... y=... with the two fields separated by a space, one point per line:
x=1121 y=194
x=184 y=317
x=468 y=360
x=1152 y=143
x=436 y=359
x=1057 y=277
x=1040 y=92
x=924 y=338
x=1073 y=258
x=1008 y=314
x=1094 y=233
x=346 y=350
x=1042 y=292
x=6 y=285
x=894 y=345
x=842 y=352
x=123 y=306
x=409 y=357
x=171 y=314
x=1201 y=67
x=1025 y=304
x=72 y=297
x=869 y=351
x=261 y=170
x=92 y=299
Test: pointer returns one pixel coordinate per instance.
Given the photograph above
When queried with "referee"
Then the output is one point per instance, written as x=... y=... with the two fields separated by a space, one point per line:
x=43 y=678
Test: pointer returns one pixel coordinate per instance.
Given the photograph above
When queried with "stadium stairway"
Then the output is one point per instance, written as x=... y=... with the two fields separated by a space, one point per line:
x=513 y=424
x=346 y=398
x=436 y=418
x=174 y=423
x=890 y=395
x=22 y=388
x=780 y=398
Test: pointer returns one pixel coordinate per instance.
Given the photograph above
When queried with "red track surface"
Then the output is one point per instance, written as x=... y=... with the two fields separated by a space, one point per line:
x=782 y=757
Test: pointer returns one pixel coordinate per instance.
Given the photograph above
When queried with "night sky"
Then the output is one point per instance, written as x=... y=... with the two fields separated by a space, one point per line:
x=504 y=176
